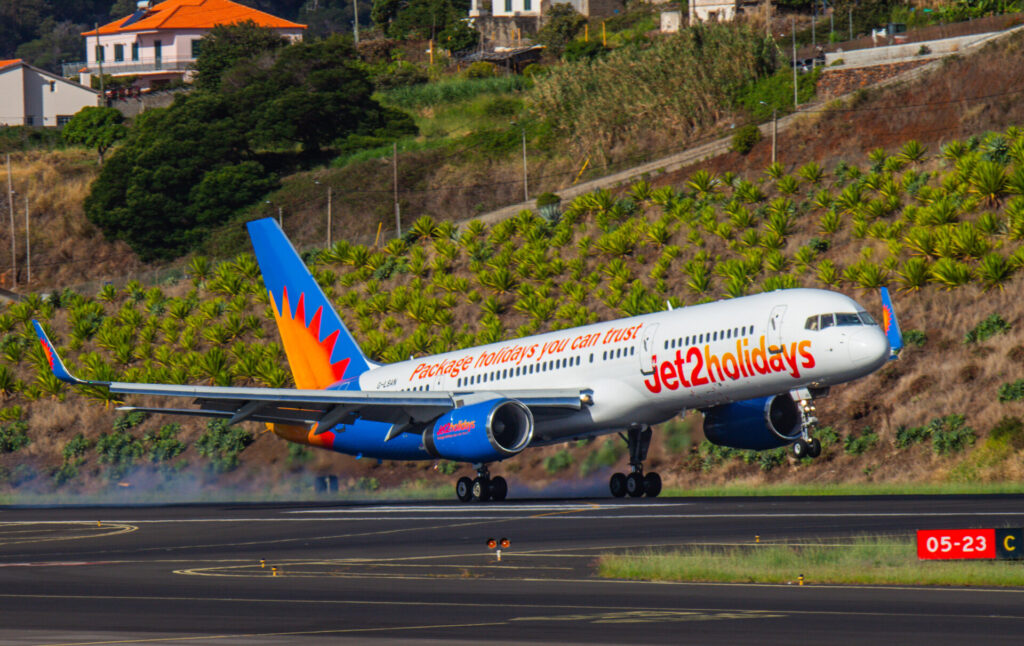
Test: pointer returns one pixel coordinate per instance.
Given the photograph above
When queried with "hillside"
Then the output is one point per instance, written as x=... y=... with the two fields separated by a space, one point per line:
x=942 y=224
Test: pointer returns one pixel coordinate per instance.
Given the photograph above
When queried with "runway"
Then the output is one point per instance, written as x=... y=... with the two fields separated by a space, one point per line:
x=329 y=573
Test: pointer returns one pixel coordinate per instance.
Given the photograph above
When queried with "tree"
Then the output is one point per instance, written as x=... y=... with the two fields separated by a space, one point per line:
x=98 y=128
x=312 y=93
x=418 y=18
x=457 y=36
x=58 y=41
x=227 y=45
x=561 y=26
x=162 y=190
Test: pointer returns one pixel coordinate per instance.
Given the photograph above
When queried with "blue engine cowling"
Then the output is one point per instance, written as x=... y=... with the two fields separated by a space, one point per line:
x=492 y=430
x=757 y=424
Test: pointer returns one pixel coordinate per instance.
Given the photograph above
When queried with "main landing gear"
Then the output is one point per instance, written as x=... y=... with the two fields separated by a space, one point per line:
x=481 y=488
x=636 y=483
x=806 y=446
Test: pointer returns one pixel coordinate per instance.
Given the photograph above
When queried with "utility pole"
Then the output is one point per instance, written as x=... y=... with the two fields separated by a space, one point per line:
x=328 y=216
x=28 y=248
x=814 y=26
x=792 y=21
x=355 y=23
x=280 y=216
x=526 y=184
x=851 y=23
x=398 y=215
x=775 y=131
x=10 y=207
x=99 y=61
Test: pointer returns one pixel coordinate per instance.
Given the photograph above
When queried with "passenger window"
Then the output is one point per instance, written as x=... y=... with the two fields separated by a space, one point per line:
x=844 y=318
x=827 y=320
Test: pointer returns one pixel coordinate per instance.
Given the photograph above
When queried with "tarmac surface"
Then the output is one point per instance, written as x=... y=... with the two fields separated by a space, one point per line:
x=391 y=573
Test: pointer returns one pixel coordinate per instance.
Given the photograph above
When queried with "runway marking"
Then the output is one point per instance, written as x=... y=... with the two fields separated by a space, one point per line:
x=296 y=569
x=649 y=616
x=295 y=633
x=89 y=528
x=453 y=508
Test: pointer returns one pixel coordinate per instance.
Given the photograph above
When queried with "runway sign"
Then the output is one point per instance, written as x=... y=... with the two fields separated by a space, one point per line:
x=949 y=544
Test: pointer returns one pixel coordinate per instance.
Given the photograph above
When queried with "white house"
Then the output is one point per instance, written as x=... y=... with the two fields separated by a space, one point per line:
x=30 y=96
x=160 y=42
x=520 y=8
x=719 y=10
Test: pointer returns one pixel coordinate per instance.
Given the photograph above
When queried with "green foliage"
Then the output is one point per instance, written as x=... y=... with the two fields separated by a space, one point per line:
x=745 y=137
x=558 y=462
x=14 y=436
x=451 y=90
x=908 y=435
x=164 y=444
x=915 y=337
x=480 y=70
x=678 y=435
x=607 y=455
x=226 y=46
x=75 y=449
x=583 y=50
x=221 y=444
x=298 y=454
x=562 y=24
x=1009 y=431
x=992 y=325
x=118 y=449
x=859 y=444
x=95 y=127
x=950 y=435
x=1012 y=391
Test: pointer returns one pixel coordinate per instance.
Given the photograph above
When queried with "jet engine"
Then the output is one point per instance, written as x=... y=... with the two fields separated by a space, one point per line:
x=484 y=432
x=757 y=424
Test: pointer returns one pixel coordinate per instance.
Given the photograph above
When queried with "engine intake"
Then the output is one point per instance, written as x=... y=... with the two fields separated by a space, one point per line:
x=485 y=432
x=757 y=424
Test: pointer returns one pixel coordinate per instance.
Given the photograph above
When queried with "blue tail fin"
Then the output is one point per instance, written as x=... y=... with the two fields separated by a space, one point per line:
x=320 y=350
x=890 y=325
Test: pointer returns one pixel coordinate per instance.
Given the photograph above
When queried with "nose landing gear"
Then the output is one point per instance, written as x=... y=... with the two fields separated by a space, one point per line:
x=806 y=446
x=637 y=483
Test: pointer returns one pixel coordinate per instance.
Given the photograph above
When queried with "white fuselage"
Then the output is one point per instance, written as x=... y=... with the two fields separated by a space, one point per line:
x=647 y=369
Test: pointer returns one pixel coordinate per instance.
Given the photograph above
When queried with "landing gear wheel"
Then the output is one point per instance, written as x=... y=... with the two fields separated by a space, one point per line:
x=499 y=488
x=635 y=485
x=464 y=489
x=652 y=484
x=618 y=485
x=800 y=449
x=481 y=489
x=814 y=448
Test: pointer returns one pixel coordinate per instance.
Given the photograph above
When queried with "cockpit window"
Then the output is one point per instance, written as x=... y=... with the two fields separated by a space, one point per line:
x=812 y=323
x=866 y=319
x=827 y=320
x=844 y=318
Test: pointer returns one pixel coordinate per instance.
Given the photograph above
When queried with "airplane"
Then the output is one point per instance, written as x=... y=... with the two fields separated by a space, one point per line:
x=752 y=365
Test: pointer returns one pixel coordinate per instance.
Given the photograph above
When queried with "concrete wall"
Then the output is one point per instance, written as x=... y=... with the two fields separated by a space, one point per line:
x=907 y=51
x=12 y=104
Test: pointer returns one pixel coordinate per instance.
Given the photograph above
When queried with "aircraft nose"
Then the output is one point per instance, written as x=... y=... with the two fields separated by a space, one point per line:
x=869 y=346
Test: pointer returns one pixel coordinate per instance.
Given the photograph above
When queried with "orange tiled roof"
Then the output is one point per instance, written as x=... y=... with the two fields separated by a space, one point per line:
x=11 y=61
x=194 y=14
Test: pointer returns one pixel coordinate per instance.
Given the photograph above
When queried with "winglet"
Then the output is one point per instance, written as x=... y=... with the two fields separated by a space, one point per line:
x=56 y=365
x=890 y=325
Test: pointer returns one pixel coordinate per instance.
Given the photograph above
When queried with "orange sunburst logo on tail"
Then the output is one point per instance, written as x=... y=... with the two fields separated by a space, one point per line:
x=308 y=355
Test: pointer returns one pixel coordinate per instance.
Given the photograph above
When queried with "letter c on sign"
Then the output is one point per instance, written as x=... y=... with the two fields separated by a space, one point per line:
x=1007 y=545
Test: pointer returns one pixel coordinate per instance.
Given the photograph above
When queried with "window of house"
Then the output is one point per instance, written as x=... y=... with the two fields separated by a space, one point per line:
x=53 y=86
x=99 y=53
x=508 y=6
x=135 y=51
x=119 y=53
x=196 y=44
x=527 y=5
x=30 y=120
x=62 y=119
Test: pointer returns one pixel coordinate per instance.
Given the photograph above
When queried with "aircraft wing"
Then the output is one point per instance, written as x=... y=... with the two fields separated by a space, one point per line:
x=326 y=408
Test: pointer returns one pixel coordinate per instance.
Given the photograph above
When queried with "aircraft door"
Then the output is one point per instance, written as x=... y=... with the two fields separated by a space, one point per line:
x=775 y=329
x=646 y=350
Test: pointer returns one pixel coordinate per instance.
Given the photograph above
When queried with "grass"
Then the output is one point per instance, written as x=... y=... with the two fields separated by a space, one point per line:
x=860 y=560
x=850 y=489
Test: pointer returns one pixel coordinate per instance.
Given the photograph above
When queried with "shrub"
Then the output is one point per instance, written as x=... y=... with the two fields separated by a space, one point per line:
x=950 y=435
x=164 y=444
x=678 y=435
x=1011 y=391
x=915 y=337
x=1009 y=430
x=480 y=70
x=583 y=50
x=858 y=444
x=75 y=449
x=606 y=456
x=119 y=450
x=987 y=329
x=905 y=436
x=14 y=436
x=222 y=444
x=558 y=461
x=745 y=138
x=298 y=454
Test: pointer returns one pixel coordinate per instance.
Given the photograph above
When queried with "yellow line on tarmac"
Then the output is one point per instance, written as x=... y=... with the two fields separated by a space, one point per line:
x=591 y=507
